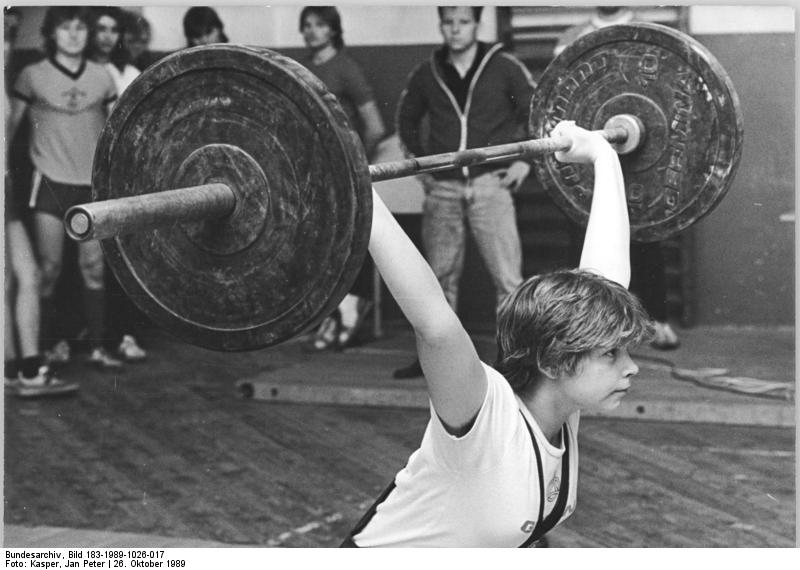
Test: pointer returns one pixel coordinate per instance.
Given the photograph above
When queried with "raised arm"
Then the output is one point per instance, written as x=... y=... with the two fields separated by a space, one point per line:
x=454 y=374
x=606 y=247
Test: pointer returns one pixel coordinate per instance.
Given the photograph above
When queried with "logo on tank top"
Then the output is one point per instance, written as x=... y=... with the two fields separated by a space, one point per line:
x=527 y=526
x=552 y=489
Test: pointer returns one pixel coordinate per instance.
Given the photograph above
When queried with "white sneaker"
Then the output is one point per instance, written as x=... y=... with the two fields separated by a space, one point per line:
x=59 y=354
x=664 y=338
x=130 y=350
x=99 y=357
x=43 y=384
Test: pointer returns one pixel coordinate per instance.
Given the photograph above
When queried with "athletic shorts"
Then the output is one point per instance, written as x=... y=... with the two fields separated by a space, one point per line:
x=56 y=198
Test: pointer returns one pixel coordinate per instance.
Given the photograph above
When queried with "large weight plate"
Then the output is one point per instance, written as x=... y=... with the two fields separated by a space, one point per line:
x=684 y=98
x=268 y=128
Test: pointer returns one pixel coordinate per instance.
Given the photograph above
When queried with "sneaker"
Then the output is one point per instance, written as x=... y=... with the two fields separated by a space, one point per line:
x=59 y=354
x=352 y=320
x=413 y=370
x=44 y=384
x=99 y=357
x=325 y=337
x=664 y=338
x=129 y=349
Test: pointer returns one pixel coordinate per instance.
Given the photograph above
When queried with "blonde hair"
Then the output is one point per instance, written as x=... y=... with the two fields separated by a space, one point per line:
x=552 y=321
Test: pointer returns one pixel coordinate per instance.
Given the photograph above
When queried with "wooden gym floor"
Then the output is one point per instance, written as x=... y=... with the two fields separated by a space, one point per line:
x=168 y=453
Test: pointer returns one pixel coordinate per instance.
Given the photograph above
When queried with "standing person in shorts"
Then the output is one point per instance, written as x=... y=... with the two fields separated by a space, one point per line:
x=25 y=372
x=68 y=97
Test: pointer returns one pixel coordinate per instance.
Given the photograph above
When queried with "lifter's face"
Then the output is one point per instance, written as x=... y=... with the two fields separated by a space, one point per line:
x=107 y=34
x=316 y=32
x=459 y=28
x=71 y=36
x=601 y=381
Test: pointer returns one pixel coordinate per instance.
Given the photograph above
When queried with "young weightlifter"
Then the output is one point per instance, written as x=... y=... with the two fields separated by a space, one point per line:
x=498 y=463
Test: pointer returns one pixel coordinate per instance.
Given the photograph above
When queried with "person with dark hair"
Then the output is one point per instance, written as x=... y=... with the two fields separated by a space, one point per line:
x=498 y=463
x=25 y=372
x=68 y=97
x=202 y=26
x=136 y=39
x=106 y=48
x=321 y=27
x=473 y=94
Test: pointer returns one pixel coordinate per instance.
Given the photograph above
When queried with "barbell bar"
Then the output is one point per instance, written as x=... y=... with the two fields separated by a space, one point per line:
x=110 y=218
x=266 y=220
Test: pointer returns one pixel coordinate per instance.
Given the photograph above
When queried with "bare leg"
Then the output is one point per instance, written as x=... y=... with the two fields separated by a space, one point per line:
x=50 y=246
x=25 y=315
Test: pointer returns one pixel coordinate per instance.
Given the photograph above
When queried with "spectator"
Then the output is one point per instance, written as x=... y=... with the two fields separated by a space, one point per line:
x=202 y=26
x=648 y=278
x=136 y=39
x=107 y=49
x=25 y=371
x=474 y=95
x=603 y=16
x=321 y=27
x=68 y=98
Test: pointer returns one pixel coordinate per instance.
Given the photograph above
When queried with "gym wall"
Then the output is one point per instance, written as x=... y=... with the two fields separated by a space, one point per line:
x=745 y=249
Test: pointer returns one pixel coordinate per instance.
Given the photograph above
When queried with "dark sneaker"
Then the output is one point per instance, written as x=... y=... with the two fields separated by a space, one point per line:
x=413 y=370
x=44 y=384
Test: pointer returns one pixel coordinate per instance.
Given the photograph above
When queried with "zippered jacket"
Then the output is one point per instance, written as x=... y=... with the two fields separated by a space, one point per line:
x=496 y=109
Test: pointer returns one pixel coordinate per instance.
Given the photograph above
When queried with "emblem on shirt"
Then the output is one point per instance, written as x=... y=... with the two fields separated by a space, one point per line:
x=72 y=97
x=553 y=488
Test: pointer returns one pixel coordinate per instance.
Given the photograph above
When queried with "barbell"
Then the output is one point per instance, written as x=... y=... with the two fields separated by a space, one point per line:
x=233 y=199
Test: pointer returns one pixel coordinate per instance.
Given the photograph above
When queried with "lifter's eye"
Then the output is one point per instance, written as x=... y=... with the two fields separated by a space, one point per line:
x=611 y=353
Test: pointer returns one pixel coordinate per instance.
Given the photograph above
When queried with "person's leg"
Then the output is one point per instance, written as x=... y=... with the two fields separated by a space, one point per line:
x=444 y=235
x=443 y=243
x=649 y=283
x=357 y=304
x=493 y=222
x=33 y=377
x=26 y=313
x=90 y=260
x=50 y=247
x=122 y=318
x=11 y=364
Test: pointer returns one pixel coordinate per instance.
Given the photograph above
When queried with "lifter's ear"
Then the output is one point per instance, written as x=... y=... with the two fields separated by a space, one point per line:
x=547 y=373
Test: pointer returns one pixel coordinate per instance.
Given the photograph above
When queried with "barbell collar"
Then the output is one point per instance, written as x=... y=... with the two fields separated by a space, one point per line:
x=119 y=216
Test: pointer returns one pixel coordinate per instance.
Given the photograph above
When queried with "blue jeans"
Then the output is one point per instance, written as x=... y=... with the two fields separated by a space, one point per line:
x=486 y=206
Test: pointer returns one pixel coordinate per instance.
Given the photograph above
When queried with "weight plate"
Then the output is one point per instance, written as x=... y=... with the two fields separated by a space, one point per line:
x=685 y=100
x=268 y=128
